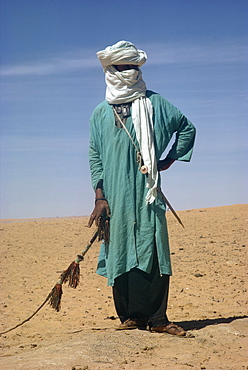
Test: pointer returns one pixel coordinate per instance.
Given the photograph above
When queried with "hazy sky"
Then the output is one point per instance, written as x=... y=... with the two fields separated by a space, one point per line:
x=51 y=81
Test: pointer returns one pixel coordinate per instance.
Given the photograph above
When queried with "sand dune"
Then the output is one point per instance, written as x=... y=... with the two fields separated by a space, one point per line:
x=208 y=297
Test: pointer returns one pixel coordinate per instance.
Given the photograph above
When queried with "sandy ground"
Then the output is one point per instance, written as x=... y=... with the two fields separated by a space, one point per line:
x=208 y=297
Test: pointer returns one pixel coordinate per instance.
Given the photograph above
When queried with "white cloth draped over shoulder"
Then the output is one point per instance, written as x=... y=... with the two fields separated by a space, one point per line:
x=128 y=86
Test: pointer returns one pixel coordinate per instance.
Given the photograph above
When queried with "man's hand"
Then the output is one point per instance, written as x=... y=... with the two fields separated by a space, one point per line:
x=101 y=209
x=164 y=164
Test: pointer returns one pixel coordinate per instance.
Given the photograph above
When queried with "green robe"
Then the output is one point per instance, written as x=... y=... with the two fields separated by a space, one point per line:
x=135 y=228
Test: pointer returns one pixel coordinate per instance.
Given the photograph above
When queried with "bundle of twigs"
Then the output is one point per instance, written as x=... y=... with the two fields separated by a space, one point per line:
x=71 y=274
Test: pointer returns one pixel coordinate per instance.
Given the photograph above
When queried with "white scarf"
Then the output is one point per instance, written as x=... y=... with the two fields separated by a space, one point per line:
x=128 y=86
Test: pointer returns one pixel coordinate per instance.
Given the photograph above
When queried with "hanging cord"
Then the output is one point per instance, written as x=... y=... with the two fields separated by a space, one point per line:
x=123 y=126
x=139 y=158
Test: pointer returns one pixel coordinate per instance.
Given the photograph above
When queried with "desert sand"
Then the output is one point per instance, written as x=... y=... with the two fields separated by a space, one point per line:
x=208 y=297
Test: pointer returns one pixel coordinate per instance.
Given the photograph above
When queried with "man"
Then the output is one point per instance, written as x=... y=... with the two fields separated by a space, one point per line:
x=129 y=132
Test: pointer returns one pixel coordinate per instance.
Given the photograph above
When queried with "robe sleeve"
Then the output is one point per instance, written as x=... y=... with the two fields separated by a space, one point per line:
x=170 y=122
x=182 y=147
x=96 y=167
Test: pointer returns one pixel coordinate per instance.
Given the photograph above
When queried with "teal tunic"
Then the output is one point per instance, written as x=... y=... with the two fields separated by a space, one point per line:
x=135 y=228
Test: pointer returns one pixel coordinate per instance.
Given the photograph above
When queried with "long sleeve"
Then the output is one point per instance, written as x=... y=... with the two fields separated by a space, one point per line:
x=183 y=145
x=169 y=120
x=96 y=167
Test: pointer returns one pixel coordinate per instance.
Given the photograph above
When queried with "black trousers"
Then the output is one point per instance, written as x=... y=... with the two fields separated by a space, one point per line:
x=142 y=296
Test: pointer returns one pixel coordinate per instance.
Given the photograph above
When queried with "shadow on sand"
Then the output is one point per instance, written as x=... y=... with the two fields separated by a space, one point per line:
x=200 y=324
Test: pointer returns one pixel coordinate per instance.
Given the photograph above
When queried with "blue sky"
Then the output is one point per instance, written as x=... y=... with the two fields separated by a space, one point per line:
x=51 y=81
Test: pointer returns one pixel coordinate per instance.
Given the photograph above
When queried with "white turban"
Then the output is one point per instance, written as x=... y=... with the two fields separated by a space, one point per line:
x=123 y=52
x=128 y=86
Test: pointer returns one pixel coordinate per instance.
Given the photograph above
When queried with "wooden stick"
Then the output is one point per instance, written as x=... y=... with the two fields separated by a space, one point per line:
x=30 y=317
x=170 y=206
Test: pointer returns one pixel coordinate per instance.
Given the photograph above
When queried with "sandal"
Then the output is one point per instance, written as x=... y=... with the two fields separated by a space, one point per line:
x=169 y=328
x=130 y=324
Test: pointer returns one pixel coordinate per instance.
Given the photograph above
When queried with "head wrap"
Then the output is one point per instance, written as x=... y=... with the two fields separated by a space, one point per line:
x=123 y=52
x=123 y=87
x=128 y=86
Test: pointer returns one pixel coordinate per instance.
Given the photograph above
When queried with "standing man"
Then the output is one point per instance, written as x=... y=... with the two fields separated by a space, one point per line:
x=129 y=132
